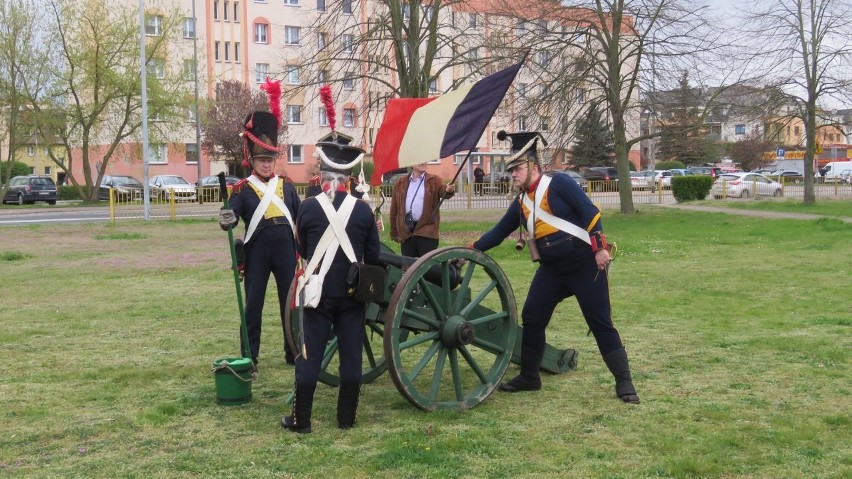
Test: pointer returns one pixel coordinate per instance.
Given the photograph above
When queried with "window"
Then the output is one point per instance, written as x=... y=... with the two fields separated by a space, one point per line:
x=433 y=86
x=406 y=11
x=542 y=27
x=192 y=153
x=348 y=117
x=189 y=69
x=471 y=20
x=739 y=129
x=262 y=70
x=520 y=27
x=157 y=154
x=522 y=123
x=347 y=6
x=322 y=76
x=349 y=81
x=580 y=95
x=157 y=68
x=322 y=40
x=542 y=90
x=154 y=25
x=323 y=117
x=225 y=7
x=236 y=12
x=227 y=51
x=544 y=124
x=236 y=52
x=348 y=39
x=796 y=130
x=473 y=54
x=427 y=13
x=291 y=35
x=260 y=33
x=294 y=114
x=544 y=58
x=320 y=5
x=522 y=89
x=190 y=114
x=215 y=9
x=295 y=154
x=30 y=150
x=216 y=50
x=47 y=170
x=292 y=75
x=188 y=27
x=154 y=113
x=294 y=3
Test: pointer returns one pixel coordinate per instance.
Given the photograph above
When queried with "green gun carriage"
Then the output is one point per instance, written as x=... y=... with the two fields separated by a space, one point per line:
x=446 y=331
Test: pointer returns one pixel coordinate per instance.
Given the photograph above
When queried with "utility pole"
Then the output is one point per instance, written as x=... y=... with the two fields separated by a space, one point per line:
x=197 y=118
x=144 y=75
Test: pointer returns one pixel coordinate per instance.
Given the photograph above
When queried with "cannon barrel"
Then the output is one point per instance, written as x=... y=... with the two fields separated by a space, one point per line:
x=433 y=275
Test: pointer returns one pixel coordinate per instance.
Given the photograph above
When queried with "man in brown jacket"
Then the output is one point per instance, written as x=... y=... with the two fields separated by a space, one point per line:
x=415 y=221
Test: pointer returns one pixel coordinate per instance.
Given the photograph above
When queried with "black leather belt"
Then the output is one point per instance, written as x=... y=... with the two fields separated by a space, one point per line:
x=554 y=239
x=279 y=220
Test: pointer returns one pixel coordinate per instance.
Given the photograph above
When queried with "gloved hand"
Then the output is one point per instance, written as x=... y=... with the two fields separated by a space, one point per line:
x=227 y=218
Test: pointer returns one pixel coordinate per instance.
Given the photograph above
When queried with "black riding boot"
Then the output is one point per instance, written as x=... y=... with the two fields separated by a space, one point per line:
x=300 y=420
x=529 y=379
x=347 y=404
x=616 y=361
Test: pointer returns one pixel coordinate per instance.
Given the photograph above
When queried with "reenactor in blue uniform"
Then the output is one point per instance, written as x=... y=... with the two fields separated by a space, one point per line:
x=319 y=244
x=566 y=237
x=268 y=205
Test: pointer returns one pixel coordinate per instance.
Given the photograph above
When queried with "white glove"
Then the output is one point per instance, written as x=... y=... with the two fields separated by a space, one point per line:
x=227 y=218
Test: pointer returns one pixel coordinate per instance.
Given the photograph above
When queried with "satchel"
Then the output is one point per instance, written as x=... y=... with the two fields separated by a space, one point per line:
x=366 y=282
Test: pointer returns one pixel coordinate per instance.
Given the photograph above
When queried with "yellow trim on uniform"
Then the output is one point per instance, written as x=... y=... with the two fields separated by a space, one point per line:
x=272 y=211
x=593 y=222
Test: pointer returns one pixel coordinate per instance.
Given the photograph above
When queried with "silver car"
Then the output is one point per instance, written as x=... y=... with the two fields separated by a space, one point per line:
x=173 y=187
x=744 y=185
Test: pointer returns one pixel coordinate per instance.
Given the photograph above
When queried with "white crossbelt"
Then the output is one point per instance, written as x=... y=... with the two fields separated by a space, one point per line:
x=536 y=211
x=333 y=237
x=267 y=197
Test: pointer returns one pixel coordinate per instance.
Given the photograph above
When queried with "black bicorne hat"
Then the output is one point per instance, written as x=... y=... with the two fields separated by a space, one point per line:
x=523 y=143
x=260 y=132
x=339 y=158
x=336 y=137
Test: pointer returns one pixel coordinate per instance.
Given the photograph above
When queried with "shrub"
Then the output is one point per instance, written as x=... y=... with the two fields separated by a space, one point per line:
x=18 y=169
x=69 y=192
x=691 y=187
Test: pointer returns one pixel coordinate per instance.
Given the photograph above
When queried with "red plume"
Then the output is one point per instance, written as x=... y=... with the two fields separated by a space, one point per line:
x=328 y=103
x=273 y=91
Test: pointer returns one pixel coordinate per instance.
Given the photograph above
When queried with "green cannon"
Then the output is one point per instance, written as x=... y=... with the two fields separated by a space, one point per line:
x=446 y=331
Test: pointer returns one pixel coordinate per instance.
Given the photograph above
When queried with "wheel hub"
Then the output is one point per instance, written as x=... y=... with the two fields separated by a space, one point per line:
x=456 y=331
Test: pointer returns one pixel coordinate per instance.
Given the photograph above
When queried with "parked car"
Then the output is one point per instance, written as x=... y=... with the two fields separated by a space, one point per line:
x=642 y=180
x=213 y=180
x=26 y=190
x=713 y=171
x=745 y=185
x=602 y=178
x=125 y=188
x=173 y=187
x=576 y=177
x=786 y=176
x=846 y=177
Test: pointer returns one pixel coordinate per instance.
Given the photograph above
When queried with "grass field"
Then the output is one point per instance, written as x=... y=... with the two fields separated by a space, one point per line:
x=738 y=330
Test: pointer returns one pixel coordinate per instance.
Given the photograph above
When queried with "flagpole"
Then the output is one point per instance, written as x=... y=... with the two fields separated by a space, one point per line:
x=444 y=196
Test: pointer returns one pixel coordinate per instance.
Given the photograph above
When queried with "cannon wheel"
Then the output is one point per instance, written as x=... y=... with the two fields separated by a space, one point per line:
x=448 y=348
x=374 y=363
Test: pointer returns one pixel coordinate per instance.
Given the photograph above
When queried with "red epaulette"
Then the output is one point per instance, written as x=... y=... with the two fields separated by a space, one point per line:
x=238 y=186
x=286 y=179
x=314 y=181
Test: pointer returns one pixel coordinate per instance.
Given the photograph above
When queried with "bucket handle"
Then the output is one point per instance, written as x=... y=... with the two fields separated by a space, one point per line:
x=225 y=365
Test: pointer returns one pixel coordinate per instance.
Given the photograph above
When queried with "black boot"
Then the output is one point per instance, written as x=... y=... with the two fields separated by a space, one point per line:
x=347 y=404
x=300 y=420
x=616 y=361
x=289 y=358
x=529 y=379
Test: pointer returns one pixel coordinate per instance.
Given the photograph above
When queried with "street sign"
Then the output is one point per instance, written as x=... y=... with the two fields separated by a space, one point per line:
x=780 y=153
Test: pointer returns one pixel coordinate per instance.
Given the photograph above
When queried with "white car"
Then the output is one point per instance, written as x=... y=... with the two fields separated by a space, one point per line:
x=744 y=185
x=173 y=187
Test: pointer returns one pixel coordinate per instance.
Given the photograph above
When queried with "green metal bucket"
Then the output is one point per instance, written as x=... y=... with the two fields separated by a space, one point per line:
x=233 y=380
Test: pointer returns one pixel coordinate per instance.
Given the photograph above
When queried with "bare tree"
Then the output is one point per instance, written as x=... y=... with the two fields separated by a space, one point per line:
x=95 y=92
x=808 y=46
x=221 y=122
x=750 y=152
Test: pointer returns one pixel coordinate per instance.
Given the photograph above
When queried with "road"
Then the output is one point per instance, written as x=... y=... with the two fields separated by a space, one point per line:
x=44 y=214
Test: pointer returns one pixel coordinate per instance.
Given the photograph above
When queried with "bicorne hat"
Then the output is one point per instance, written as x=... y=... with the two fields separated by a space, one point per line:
x=523 y=146
x=338 y=158
x=260 y=131
x=336 y=137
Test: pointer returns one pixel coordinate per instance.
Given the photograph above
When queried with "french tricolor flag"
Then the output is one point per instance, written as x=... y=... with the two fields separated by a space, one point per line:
x=418 y=130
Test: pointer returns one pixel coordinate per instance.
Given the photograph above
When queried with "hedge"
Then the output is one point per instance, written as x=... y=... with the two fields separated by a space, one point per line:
x=691 y=187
